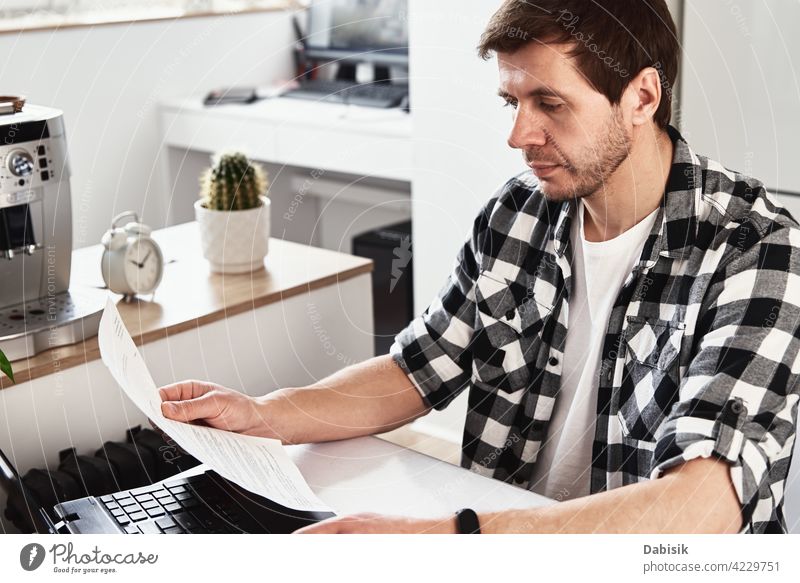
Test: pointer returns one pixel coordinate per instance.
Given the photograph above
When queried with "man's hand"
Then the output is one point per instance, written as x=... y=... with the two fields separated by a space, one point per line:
x=367 y=523
x=213 y=405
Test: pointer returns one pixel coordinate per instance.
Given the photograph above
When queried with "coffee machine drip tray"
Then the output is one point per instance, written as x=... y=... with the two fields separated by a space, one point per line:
x=61 y=319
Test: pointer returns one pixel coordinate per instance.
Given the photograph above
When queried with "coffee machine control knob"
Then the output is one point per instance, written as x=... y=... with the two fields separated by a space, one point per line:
x=20 y=163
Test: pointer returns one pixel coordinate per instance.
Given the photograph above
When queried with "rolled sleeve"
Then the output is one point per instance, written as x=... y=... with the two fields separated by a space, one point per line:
x=738 y=398
x=434 y=349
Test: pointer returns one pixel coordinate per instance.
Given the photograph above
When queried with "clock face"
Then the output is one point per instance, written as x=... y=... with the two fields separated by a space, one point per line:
x=143 y=266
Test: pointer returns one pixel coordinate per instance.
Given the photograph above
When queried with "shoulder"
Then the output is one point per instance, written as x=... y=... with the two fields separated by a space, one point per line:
x=740 y=208
x=730 y=196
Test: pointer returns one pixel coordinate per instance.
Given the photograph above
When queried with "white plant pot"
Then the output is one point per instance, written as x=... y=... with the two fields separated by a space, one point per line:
x=234 y=241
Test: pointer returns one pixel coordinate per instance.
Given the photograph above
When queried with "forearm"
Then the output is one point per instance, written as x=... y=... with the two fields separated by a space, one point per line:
x=682 y=501
x=366 y=398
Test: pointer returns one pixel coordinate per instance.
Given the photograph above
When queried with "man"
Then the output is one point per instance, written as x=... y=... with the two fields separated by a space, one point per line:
x=624 y=316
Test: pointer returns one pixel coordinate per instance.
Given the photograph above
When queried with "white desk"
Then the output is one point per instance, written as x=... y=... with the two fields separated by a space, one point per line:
x=368 y=474
x=341 y=138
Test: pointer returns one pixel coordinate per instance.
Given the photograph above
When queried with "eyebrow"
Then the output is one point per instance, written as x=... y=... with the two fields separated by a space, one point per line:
x=539 y=92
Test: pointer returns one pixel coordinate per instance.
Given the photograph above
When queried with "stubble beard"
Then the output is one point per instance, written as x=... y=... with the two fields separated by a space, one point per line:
x=588 y=173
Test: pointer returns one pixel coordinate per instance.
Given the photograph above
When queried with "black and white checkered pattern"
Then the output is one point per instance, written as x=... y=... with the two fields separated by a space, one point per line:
x=701 y=352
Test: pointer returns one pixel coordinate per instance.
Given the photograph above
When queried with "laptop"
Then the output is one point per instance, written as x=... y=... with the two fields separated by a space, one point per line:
x=204 y=503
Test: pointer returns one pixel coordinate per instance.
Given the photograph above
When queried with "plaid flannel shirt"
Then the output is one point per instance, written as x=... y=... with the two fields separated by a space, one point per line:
x=700 y=357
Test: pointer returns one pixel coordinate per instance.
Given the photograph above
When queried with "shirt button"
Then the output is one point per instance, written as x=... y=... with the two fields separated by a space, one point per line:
x=510 y=315
x=735 y=407
x=553 y=361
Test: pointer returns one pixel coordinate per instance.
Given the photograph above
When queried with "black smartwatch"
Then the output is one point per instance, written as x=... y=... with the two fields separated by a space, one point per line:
x=467 y=521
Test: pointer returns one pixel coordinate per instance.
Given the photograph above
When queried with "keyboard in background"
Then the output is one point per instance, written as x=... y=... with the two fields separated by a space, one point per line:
x=381 y=95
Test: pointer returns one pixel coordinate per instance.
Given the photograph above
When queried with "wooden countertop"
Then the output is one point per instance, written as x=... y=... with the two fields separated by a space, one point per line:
x=190 y=295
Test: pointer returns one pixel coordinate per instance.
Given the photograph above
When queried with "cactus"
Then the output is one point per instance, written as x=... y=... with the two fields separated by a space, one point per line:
x=5 y=367
x=232 y=183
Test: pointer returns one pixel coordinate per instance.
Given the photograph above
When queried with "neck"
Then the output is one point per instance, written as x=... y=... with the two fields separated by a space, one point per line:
x=633 y=191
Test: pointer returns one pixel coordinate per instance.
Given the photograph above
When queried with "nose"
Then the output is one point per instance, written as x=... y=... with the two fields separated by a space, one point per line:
x=527 y=130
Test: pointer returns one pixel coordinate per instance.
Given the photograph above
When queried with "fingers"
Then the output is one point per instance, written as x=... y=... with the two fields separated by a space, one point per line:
x=329 y=526
x=184 y=390
x=354 y=523
x=203 y=407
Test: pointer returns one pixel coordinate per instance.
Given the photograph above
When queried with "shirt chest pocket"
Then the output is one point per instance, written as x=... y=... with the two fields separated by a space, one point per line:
x=650 y=381
x=508 y=327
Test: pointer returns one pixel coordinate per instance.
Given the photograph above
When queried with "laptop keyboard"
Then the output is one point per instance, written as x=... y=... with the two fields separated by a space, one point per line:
x=368 y=94
x=174 y=508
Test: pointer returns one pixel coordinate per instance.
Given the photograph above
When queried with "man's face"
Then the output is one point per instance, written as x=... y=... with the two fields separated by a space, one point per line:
x=569 y=133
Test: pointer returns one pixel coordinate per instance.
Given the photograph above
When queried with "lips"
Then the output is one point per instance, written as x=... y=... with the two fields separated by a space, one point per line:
x=544 y=169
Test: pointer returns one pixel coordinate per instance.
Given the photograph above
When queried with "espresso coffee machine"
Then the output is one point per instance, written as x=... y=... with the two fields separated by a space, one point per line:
x=37 y=309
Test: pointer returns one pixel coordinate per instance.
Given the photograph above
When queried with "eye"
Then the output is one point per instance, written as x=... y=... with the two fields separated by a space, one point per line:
x=551 y=107
x=512 y=103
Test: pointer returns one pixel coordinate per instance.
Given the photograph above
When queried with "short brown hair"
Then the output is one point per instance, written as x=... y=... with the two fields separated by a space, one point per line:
x=612 y=40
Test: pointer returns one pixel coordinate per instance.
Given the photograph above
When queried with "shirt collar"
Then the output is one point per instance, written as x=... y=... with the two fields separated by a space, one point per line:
x=674 y=234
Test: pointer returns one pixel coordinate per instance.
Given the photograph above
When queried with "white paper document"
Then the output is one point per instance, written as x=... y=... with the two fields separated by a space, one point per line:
x=257 y=464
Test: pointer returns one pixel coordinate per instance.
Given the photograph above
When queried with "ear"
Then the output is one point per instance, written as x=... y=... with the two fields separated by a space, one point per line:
x=644 y=93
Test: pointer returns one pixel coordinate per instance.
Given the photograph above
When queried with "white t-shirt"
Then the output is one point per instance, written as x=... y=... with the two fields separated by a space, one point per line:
x=563 y=467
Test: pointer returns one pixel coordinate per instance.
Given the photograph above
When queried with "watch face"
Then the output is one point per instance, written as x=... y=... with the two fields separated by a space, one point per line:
x=143 y=266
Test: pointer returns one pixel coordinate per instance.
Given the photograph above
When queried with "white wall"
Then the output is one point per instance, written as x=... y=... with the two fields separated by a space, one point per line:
x=460 y=130
x=741 y=88
x=108 y=80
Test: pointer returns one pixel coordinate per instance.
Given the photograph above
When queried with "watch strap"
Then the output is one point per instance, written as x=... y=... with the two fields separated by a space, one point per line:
x=467 y=521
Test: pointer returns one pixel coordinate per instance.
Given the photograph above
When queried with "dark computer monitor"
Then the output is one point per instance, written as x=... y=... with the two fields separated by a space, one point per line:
x=358 y=30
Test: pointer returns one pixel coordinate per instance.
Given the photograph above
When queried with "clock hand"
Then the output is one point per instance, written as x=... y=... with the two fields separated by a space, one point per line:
x=141 y=265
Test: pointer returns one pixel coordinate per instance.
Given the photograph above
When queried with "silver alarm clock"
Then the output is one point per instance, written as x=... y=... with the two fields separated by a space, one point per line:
x=132 y=261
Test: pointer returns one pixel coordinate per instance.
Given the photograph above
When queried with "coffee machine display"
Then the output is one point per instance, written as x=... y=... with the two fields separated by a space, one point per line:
x=37 y=309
